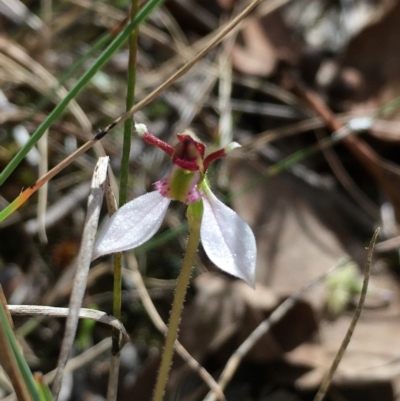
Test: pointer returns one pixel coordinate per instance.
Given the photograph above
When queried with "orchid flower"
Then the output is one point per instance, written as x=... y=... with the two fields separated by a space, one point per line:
x=227 y=240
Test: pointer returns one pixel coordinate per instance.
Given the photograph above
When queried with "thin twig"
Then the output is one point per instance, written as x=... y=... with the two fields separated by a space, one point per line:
x=84 y=313
x=83 y=359
x=328 y=378
x=112 y=387
x=225 y=91
x=43 y=192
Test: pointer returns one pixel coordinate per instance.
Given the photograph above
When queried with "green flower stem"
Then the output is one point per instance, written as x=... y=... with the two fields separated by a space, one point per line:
x=123 y=185
x=194 y=215
x=130 y=100
x=82 y=82
x=117 y=285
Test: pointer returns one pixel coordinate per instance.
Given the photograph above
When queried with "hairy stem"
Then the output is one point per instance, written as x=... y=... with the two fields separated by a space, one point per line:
x=194 y=215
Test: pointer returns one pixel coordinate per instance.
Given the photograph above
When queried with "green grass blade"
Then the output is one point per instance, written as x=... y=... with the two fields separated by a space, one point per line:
x=82 y=82
x=43 y=389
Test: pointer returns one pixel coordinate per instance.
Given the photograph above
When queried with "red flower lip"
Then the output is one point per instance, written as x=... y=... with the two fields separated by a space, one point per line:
x=188 y=154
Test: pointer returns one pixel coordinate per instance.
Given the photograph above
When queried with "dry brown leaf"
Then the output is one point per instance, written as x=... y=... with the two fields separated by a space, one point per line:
x=257 y=56
x=266 y=41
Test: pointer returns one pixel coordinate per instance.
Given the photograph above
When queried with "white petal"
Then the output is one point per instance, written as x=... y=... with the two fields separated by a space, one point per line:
x=132 y=225
x=228 y=240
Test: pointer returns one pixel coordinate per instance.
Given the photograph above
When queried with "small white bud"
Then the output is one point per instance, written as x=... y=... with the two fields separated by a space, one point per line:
x=141 y=129
x=231 y=146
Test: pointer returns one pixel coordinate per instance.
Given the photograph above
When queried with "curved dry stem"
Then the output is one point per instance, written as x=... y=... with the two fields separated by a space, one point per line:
x=329 y=376
x=84 y=313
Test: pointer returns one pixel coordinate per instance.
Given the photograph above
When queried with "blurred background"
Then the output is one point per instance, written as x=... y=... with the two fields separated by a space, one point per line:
x=294 y=72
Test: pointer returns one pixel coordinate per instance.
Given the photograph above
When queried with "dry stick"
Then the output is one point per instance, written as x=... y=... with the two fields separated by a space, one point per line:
x=328 y=378
x=112 y=385
x=312 y=123
x=388 y=245
x=162 y=327
x=83 y=313
x=225 y=92
x=84 y=258
x=83 y=359
x=264 y=327
x=43 y=192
